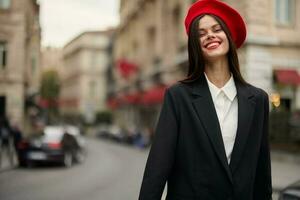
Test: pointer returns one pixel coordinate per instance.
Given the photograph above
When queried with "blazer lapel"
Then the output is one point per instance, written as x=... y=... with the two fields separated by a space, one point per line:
x=246 y=106
x=205 y=109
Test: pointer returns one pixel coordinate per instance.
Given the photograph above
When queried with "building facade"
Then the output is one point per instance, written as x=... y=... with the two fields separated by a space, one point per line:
x=84 y=81
x=52 y=59
x=151 y=35
x=19 y=56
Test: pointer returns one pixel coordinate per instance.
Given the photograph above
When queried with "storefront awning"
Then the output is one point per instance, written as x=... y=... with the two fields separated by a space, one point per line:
x=126 y=68
x=287 y=76
x=130 y=98
x=125 y=99
x=154 y=95
x=112 y=103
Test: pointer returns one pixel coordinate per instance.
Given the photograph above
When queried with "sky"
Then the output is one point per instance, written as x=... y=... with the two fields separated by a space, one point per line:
x=63 y=20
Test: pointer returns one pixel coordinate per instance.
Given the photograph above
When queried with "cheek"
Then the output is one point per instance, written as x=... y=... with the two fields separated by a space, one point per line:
x=226 y=46
x=200 y=43
x=225 y=41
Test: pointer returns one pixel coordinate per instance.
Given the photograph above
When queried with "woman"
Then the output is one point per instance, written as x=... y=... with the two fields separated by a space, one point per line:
x=211 y=140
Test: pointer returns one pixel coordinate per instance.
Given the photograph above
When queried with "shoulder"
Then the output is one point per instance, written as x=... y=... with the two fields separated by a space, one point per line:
x=259 y=93
x=178 y=94
x=178 y=89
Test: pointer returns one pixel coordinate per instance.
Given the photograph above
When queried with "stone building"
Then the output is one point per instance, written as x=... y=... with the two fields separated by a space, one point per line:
x=19 y=56
x=151 y=36
x=52 y=59
x=84 y=80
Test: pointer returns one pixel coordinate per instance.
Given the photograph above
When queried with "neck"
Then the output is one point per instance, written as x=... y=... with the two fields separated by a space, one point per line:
x=218 y=72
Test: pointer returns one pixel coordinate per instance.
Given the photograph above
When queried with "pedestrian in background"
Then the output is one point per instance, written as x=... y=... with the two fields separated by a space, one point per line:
x=17 y=137
x=211 y=140
x=6 y=141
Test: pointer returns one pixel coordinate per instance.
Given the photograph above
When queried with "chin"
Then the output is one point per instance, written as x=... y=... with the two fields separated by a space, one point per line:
x=215 y=55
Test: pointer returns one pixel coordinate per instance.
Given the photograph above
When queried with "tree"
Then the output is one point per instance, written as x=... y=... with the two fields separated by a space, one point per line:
x=50 y=89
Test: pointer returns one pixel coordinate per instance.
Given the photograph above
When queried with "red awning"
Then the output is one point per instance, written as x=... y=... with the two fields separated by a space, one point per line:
x=112 y=103
x=47 y=103
x=287 y=76
x=130 y=98
x=68 y=102
x=154 y=95
x=125 y=99
x=126 y=68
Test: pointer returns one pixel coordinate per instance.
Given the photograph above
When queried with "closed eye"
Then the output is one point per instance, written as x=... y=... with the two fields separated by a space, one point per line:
x=218 y=30
x=201 y=34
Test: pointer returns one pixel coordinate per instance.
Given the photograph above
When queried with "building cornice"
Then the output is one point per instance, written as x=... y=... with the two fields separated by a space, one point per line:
x=67 y=54
x=269 y=41
x=108 y=32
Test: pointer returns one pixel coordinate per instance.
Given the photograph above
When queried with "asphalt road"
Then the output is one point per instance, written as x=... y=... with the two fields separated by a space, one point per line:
x=110 y=172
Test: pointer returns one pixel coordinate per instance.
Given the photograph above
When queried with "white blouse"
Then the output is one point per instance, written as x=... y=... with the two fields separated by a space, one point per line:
x=226 y=105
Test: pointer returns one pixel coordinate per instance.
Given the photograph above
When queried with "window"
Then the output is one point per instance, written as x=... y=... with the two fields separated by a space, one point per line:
x=3 y=55
x=33 y=64
x=93 y=59
x=177 y=22
x=284 y=12
x=151 y=40
x=4 y=4
x=92 y=89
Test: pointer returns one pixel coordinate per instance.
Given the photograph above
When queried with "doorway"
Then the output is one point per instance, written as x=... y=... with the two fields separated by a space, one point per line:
x=2 y=106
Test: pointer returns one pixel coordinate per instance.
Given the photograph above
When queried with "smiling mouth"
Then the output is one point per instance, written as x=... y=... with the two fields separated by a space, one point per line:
x=212 y=45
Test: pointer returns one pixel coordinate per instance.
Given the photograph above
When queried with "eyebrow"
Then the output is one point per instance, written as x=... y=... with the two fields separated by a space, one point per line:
x=213 y=26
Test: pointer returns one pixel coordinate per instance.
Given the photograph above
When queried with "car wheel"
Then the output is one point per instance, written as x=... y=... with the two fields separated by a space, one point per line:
x=30 y=164
x=68 y=160
x=22 y=164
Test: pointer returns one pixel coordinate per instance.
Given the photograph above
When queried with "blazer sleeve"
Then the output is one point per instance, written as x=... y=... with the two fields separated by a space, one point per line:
x=263 y=180
x=162 y=153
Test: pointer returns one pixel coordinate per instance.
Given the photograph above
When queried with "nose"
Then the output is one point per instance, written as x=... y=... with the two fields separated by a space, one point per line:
x=210 y=35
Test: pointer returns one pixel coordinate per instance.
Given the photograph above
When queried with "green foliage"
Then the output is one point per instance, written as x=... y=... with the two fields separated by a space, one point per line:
x=104 y=117
x=50 y=85
x=49 y=90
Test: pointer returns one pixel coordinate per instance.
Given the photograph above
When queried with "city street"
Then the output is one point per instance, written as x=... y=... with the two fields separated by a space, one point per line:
x=110 y=172
x=112 y=71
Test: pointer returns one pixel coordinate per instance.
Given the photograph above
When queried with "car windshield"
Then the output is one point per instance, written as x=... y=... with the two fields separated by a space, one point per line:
x=52 y=134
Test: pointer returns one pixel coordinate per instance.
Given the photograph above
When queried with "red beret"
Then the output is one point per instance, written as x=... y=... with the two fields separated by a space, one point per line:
x=230 y=17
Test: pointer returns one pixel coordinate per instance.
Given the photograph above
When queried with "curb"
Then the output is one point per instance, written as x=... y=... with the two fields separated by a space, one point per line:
x=285 y=156
x=5 y=169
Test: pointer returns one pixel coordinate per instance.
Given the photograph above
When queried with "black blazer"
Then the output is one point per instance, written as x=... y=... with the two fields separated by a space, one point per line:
x=188 y=151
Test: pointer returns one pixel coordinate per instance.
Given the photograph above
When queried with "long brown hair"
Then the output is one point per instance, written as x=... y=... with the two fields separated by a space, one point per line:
x=196 y=58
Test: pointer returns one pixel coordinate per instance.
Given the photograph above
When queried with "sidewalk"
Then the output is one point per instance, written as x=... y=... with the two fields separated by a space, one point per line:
x=285 y=169
x=5 y=163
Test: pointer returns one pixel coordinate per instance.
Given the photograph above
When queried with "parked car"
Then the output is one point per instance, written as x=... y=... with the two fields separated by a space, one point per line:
x=132 y=137
x=57 y=144
x=112 y=132
x=292 y=192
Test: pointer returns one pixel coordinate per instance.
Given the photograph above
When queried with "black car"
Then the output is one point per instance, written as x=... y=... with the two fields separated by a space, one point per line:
x=291 y=192
x=57 y=144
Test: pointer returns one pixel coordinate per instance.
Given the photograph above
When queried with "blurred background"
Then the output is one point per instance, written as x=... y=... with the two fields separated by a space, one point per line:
x=82 y=82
